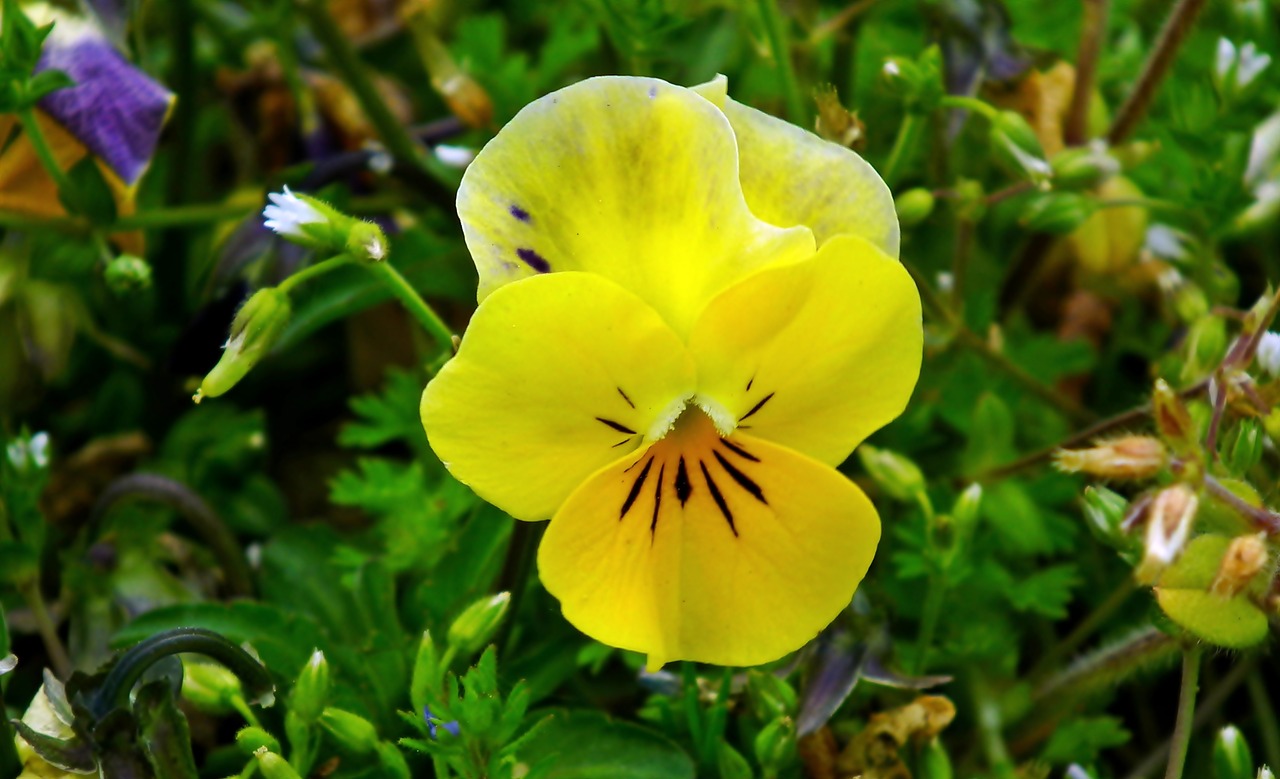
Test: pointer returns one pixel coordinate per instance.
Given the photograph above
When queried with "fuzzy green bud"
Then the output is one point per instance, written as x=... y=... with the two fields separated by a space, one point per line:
x=914 y=206
x=366 y=242
x=392 y=761
x=426 y=673
x=477 y=623
x=776 y=744
x=1104 y=512
x=935 y=763
x=1245 y=446
x=1232 y=758
x=256 y=327
x=899 y=477
x=127 y=273
x=311 y=691
x=1057 y=213
x=1082 y=168
x=1017 y=147
x=210 y=687
x=251 y=739
x=965 y=511
x=353 y=732
x=273 y=766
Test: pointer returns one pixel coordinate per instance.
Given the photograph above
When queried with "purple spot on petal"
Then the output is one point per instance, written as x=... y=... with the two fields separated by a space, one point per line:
x=653 y=91
x=114 y=109
x=519 y=213
x=534 y=260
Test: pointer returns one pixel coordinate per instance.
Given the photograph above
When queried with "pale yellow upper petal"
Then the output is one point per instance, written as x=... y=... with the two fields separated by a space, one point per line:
x=631 y=178
x=792 y=177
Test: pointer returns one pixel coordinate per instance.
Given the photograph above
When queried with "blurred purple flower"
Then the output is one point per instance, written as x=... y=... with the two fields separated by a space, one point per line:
x=452 y=726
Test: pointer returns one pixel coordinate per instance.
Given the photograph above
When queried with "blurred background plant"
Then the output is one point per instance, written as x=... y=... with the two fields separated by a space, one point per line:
x=1077 y=577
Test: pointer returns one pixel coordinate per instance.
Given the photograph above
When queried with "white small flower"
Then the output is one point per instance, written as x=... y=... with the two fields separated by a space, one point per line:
x=891 y=69
x=1269 y=353
x=454 y=156
x=288 y=213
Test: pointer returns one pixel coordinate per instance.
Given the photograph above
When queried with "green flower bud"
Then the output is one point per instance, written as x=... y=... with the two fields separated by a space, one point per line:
x=730 y=764
x=478 y=622
x=1245 y=446
x=934 y=761
x=776 y=744
x=1265 y=773
x=426 y=673
x=210 y=687
x=1189 y=302
x=127 y=273
x=965 y=511
x=251 y=739
x=770 y=695
x=1104 y=512
x=1231 y=756
x=1206 y=343
x=366 y=242
x=1017 y=147
x=1058 y=213
x=256 y=327
x=1082 y=168
x=899 y=477
x=914 y=206
x=353 y=732
x=273 y=766
x=311 y=691
x=392 y=761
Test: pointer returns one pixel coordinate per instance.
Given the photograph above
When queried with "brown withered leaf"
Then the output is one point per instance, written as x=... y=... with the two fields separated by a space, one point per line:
x=76 y=481
x=1043 y=98
x=875 y=752
x=818 y=752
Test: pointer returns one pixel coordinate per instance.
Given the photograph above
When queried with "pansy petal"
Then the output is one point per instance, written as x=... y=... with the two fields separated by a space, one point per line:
x=722 y=551
x=816 y=355
x=556 y=377
x=114 y=109
x=630 y=178
x=791 y=176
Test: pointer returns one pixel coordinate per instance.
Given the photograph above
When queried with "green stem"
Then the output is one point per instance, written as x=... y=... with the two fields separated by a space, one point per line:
x=1266 y=715
x=347 y=62
x=311 y=271
x=53 y=645
x=413 y=302
x=183 y=216
x=242 y=708
x=1186 y=710
x=905 y=142
x=1157 y=65
x=31 y=126
x=779 y=45
x=1093 y=31
x=963 y=103
x=114 y=692
x=990 y=727
x=936 y=588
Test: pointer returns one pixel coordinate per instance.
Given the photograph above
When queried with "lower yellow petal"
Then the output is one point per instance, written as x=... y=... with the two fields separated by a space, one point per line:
x=557 y=376
x=814 y=356
x=733 y=551
x=792 y=177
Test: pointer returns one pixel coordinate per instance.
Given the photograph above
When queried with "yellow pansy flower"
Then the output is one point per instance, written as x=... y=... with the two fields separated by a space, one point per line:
x=690 y=313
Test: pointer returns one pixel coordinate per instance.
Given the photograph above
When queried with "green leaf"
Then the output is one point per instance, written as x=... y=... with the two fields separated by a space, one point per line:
x=44 y=83
x=163 y=732
x=588 y=745
x=1080 y=740
x=1047 y=591
x=92 y=196
x=387 y=416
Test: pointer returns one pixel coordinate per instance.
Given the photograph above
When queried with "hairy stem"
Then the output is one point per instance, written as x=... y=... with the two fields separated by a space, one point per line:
x=1186 y=709
x=1093 y=31
x=413 y=303
x=1175 y=30
x=312 y=271
x=1087 y=627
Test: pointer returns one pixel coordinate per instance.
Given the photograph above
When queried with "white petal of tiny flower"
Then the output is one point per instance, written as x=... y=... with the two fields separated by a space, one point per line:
x=375 y=248
x=1269 y=353
x=455 y=156
x=288 y=212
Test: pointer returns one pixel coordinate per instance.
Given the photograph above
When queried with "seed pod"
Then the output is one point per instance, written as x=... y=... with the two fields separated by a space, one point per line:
x=256 y=327
x=478 y=622
x=251 y=739
x=311 y=691
x=914 y=206
x=1168 y=526
x=1232 y=758
x=353 y=732
x=273 y=766
x=1127 y=457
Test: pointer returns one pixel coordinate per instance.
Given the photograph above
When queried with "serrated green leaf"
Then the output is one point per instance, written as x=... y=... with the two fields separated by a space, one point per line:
x=1080 y=740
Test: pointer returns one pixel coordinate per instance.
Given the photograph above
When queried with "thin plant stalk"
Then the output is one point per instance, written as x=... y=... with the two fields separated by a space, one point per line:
x=1186 y=710
x=1266 y=717
x=413 y=303
x=57 y=651
x=903 y=144
x=1175 y=30
x=1093 y=30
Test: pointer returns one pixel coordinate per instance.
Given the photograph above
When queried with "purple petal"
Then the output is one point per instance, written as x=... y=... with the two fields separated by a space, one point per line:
x=115 y=110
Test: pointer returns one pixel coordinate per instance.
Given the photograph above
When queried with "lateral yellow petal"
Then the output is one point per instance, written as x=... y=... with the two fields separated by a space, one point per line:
x=792 y=177
x=557 y=376
x=732 y=552
x=631 y=178
x=816 y=355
